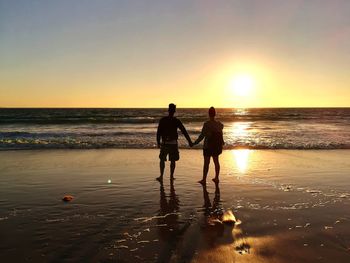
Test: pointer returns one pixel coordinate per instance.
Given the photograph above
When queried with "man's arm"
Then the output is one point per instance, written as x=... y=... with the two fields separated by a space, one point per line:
x=184 y=132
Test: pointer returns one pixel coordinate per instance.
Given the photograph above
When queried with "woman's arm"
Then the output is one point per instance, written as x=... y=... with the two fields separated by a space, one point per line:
x=201 y=136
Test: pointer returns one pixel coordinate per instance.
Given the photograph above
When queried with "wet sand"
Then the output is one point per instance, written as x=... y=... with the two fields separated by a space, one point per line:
x=290 y=206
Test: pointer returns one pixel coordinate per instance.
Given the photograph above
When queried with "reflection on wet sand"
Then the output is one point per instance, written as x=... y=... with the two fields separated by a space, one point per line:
x=241 y=157
x=214 y=237
x=170 y=229
x=212 y=212
x=220 y=238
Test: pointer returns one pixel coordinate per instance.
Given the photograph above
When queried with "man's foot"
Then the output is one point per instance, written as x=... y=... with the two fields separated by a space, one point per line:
x=159 y=179
x=202 y=181
x=215 y=180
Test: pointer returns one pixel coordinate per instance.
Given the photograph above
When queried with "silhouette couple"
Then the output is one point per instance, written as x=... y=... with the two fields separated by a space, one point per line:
x=167 y=137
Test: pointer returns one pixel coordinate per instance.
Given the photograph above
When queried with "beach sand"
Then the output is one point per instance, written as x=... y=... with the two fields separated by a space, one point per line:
x=290 y=206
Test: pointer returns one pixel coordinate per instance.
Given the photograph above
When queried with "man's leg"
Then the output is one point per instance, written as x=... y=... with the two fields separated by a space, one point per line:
x=205 y=169
x=173 y=157
x=217 y=168
x=161 y=167
x=162 y=157
x=172 y=169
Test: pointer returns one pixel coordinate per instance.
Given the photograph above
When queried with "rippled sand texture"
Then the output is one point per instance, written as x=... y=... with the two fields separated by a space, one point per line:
x=287 y=206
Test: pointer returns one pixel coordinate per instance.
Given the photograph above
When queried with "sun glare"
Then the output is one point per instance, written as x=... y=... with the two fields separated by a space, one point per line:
x=242 y=85
x=241 y=157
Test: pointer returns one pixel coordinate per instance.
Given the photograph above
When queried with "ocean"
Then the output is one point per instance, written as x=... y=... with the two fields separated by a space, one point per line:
x=95 y=128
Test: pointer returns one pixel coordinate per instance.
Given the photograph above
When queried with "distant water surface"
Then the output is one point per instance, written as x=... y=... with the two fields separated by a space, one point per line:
x=284 y=128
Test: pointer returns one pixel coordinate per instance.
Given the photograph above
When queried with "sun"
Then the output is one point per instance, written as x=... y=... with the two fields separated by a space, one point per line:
x=242 y=85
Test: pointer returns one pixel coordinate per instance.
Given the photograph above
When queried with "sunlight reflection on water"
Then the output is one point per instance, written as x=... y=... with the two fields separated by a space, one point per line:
x=240 y=129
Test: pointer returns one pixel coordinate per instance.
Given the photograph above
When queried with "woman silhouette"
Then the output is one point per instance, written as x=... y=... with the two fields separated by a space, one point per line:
x=213 y=142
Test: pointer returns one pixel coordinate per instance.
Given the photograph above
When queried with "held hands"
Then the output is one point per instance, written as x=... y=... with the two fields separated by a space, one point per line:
x=191 y=144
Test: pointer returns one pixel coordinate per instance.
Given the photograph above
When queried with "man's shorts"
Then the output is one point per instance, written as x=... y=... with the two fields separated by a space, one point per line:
x=169 y=149
x=212 y=152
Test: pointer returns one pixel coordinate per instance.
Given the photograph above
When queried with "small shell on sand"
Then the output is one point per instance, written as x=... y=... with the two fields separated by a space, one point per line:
x=228 y=217
x=67 y=198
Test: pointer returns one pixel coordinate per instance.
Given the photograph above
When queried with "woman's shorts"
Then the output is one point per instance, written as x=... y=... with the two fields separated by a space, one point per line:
x=212 y=152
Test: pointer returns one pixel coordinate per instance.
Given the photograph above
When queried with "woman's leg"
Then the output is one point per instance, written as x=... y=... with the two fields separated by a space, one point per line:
x=205 y=169
x=217 y=168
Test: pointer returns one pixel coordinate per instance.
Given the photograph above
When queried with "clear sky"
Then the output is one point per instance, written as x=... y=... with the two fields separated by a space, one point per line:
x=148 y=53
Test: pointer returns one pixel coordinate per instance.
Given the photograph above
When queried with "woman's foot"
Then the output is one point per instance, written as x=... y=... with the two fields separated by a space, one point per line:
x=215 y=180
x=202 y=181
x=159 y=179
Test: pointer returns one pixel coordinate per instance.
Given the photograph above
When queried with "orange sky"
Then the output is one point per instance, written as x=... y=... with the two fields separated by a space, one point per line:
x=123 y=54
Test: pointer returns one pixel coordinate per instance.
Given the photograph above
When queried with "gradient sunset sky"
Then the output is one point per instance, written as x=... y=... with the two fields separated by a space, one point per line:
x=147 y=53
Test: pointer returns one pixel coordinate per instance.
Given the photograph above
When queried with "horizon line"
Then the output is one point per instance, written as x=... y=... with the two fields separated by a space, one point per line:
x=286 y=107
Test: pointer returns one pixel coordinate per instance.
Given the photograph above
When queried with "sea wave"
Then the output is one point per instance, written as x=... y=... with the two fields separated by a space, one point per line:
x=146 y=120
x=20 y=134
x=136 y=128
x=139 y=116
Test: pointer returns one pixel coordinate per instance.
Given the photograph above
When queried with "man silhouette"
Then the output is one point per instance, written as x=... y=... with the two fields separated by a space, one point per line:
x=167 y=140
